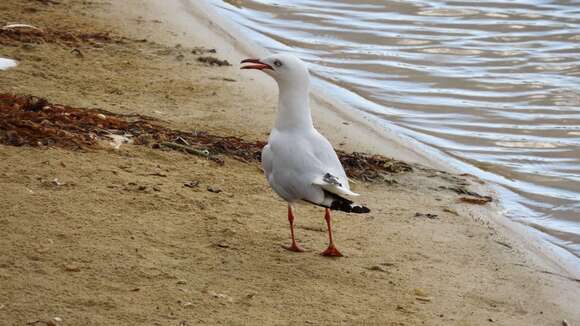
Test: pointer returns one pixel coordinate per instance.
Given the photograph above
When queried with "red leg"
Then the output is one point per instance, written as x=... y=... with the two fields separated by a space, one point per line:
x=294 y=246
x=331 y=251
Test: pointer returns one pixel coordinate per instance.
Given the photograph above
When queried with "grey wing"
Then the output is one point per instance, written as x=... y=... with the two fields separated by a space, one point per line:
x=291 y=170
x=276 y=177
x=306 y=170
x=329 y=159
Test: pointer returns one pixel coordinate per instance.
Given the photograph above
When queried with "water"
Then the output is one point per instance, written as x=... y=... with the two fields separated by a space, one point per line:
x=495 y=84
x=6 y=64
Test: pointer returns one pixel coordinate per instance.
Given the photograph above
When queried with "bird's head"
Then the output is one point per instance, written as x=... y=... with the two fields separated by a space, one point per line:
x=286 y=69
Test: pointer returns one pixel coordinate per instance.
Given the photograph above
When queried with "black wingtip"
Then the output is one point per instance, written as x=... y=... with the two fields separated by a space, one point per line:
x=344 y=205
x=360 y=209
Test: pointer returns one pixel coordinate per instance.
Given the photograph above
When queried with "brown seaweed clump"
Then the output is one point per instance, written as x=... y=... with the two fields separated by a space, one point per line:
x=14 y=35
x=33 y=121
x=213 y=61
x=370 y=167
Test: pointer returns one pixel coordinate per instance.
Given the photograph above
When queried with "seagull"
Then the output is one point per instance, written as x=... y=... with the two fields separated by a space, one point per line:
x=300 y=163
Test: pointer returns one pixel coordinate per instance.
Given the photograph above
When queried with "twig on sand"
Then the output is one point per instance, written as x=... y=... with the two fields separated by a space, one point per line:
x=19 y=26
x=187 y=149
x=43 y=322
x=476 y=200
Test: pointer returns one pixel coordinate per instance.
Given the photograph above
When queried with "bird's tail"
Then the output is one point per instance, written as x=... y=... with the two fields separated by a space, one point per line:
x=345 y=205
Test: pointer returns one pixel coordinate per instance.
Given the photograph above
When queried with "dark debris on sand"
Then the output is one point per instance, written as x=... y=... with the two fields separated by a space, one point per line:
x=370 y=167
x=17 y=35
x=33 y=121
x=212 y=61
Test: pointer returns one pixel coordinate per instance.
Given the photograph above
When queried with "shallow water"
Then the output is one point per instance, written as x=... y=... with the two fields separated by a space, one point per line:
x=6 y=64
x=495 y=84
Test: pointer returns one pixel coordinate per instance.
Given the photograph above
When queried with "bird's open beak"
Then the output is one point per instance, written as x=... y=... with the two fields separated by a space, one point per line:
x=257 y=64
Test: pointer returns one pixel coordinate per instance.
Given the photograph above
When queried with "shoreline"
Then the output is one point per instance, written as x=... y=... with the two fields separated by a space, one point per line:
x=118 y=239
x=555 y=237
x=376 y=141
x=381 y=140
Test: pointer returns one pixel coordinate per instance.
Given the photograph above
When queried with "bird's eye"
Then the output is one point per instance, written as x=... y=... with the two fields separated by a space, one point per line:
x=278 y=63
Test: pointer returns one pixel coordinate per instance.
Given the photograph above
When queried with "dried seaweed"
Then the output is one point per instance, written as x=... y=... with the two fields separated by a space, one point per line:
x=481 y=200
x=370 y=167
x=33 y=121
x=471 y=197
x=15 y=36
x=214 y=61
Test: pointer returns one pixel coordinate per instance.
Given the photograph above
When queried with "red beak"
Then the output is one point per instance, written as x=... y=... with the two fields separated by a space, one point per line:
x=257 y=64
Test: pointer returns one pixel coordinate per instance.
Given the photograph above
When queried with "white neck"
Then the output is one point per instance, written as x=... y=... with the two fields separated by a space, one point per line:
x=293 y=108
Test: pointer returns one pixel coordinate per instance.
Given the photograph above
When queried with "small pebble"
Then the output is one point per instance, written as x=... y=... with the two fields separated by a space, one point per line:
x=214 y=189
x=221 y=296
x=191 y=184
x=72 y=268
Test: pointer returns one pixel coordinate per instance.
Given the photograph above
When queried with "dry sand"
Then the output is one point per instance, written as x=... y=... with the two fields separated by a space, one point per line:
x=119 y=240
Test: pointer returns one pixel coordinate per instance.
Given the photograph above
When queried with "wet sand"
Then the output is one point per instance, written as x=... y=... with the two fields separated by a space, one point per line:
x=119 y=240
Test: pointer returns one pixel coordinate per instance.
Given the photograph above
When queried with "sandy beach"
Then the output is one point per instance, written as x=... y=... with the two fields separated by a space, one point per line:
x=139 y=235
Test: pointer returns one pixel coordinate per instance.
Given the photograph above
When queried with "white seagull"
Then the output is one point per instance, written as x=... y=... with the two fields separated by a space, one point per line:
x=299 y=163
